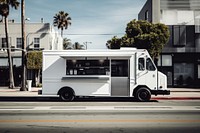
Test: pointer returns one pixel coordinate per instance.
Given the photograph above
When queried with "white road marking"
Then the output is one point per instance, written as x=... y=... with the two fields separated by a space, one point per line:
x=42 y=108
x=100 y=108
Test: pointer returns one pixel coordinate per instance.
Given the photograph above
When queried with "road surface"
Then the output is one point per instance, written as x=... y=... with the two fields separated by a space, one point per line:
x=100 y=117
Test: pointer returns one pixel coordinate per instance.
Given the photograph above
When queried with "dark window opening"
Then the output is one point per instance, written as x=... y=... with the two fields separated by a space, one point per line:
x=19 y=42
x=36 y=43
x=149 y=65
x=3 y=40
x=119 y=68
x=179 y=35
x=141 y=64
x=87 y=67
x=147 y=15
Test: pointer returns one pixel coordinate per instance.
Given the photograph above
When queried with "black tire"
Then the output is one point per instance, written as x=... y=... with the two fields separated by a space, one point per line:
x=67 y=95
x=143 y=94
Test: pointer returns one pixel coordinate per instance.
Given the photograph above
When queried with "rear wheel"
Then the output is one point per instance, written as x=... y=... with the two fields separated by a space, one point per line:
x=67 y=95
x=143 y=94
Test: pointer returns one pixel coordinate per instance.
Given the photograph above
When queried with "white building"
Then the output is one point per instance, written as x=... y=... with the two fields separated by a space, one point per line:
x=39 y=36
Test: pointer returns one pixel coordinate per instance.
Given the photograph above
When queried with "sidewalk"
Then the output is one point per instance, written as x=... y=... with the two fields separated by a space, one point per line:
x=6 y=92
x=176 y=93
x=180 y=94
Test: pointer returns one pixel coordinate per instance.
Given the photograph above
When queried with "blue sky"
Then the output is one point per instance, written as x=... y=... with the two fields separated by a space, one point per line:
x=91 y=19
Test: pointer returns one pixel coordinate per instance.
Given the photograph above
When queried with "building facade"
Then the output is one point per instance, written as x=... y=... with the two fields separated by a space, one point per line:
x=39 y=36
x=180 y=58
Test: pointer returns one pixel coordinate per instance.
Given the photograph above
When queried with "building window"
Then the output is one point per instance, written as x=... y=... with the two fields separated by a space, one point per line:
x=197 y=21
x=147 y=15
x=36 y=43
x=17 y=62
x=4 y=61
x=166 y=60
x=183 y=74
x=179 y=35
x=87 y=67
x=19 y=42
x=3 y=43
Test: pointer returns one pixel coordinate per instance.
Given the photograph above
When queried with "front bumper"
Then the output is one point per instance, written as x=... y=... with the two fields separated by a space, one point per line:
x=160 y=92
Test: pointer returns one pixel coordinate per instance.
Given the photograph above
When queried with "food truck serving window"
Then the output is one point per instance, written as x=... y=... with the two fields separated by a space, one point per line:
x=87 y=67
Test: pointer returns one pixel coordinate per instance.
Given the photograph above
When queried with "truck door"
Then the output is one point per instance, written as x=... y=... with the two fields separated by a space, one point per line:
x=120 y=78
x=146 y=72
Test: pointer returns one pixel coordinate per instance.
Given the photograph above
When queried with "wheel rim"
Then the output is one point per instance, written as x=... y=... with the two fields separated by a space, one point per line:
x=67 y=96
x=143 y=94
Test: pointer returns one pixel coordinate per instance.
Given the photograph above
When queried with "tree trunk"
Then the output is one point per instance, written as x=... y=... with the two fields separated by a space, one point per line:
x=23 y=88
x=61 y=32
x=11 y=77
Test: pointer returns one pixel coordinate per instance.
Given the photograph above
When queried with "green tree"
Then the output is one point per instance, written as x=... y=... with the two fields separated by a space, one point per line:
x=62 y=21
x=67 y=44
x=4 y=12
x=114 y=43
x=148 y=36
x=144 y=35
x=34 y=62
x=78 y=46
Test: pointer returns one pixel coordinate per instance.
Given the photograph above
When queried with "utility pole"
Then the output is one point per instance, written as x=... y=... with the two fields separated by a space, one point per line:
x=85 y=43
x=23 y=87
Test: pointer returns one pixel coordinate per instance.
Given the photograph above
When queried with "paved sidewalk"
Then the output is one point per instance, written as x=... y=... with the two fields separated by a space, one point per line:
x=176 y=93
x=180 y=94
x=4 y=91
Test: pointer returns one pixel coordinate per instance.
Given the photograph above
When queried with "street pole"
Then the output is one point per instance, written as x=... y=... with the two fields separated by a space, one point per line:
x=86 y=44
x=23 y=87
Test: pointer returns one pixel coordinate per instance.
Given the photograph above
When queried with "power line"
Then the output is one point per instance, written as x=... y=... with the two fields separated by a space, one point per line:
x=91 y=34
x=99 y=16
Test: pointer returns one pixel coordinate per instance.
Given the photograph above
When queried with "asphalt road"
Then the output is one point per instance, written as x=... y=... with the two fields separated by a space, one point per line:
x=100 y=117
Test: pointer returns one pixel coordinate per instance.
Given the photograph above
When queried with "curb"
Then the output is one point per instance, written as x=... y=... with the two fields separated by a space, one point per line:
x=28 y=98
x=176 y=98
x=186 y=91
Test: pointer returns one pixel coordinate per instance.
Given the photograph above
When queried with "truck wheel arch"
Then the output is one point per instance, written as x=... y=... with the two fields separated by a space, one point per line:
x=66 y=94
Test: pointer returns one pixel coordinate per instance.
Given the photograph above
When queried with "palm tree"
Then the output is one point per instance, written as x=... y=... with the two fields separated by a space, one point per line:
x=78 y=46
x=4 y=12
x=67 y=44
x=62 y=21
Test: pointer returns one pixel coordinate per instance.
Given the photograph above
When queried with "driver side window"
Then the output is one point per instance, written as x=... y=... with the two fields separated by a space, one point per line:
x=149 y=65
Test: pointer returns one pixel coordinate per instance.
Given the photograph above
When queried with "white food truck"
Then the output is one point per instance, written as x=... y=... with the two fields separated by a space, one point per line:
x=127 y=72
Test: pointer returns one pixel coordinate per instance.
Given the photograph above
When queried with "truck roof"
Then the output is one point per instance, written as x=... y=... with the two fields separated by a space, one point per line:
x=125 y=52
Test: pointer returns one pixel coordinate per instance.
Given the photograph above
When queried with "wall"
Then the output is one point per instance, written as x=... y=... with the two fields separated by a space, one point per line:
x=49 y=38
x=146 y=7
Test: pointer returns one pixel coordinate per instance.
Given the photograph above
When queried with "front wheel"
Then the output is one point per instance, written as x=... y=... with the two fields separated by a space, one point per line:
x=143 y=94
x=67 y=95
